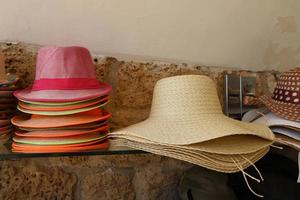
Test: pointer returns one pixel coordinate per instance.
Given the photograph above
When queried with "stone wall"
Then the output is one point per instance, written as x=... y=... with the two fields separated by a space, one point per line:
x=143 y=176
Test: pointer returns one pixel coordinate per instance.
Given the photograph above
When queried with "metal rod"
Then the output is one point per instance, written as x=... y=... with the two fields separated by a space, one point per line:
x=241 y=96
x=226 y=95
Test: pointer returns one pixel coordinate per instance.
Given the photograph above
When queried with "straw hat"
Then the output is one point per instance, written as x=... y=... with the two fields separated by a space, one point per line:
x=186 y=110
x=285 y=100
x=59 y=133
x=291 y=142
x=272 y=120
x=224 y=145
x=218 y=162
x=87 y=126
x=47 y=103
x=60 y=140
x=64 y=74
x=36 y=107
x=87 y=146
x=62 y=112
x=44 y=121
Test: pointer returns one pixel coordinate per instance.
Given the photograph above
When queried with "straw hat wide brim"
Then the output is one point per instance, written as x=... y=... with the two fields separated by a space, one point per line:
x=285 y=140
x=61 y=112
x=89 y=146
x=44 y=121
x=47 y=103
x=59 y=133
x=186 y=111
x=17 y=145
x=225 y=145
x=87 y=126
x=62 y=95
x=60 y=141
x=272 y=120
x=203 y=128
x=286 y=110
x=221 y=163
x=50 y=107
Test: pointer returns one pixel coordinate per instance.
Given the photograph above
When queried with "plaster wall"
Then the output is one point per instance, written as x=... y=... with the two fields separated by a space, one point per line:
x=255 y=35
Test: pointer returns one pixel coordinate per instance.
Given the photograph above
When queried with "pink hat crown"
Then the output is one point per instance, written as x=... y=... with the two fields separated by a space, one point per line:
x=64 y=68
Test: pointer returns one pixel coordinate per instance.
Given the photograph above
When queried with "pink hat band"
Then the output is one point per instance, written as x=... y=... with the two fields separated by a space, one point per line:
x=66 y=84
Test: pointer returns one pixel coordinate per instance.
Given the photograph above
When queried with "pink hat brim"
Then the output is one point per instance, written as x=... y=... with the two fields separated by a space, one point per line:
x=62 y=95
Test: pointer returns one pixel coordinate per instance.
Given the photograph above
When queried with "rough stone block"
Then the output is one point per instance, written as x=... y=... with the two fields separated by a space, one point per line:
x=24 y=180
x=135 y=81
x=109 y=184
x=153 y=183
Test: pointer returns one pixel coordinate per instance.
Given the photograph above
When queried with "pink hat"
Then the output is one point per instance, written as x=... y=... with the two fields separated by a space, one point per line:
x=64 y=74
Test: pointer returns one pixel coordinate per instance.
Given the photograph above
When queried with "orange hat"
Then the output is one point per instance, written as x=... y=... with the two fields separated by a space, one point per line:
x=88 y=146
x=59 y=133
x=91 y=125
x=61 y=140
x=44 y=121
x=35 y=107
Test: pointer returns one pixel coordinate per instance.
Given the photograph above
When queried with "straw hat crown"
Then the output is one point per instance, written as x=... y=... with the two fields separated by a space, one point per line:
x=184 y=97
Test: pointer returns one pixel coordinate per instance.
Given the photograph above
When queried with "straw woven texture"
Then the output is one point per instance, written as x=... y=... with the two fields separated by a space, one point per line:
x=58 y=103
x=61 y=95
x=224 y=145
x=186 y=110
x=285 y=140
x=186 y=122
x=36 y=107
x=60 y=141
x=96 y=124
x=43 y=121
x=221 y=163
x=59 y=133
x=65 y=112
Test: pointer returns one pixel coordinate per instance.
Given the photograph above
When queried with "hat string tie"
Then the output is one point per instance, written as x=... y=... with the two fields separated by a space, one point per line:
x=277 y=147
x=245 y=178
x=268 y=124
x=253 y=165
x=264 y=117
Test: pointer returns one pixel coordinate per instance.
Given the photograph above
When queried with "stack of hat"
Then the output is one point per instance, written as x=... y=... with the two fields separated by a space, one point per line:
x=287 y=132
x=282 y=113
x=7 y=102
x=186 y=122
x=63 y=109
